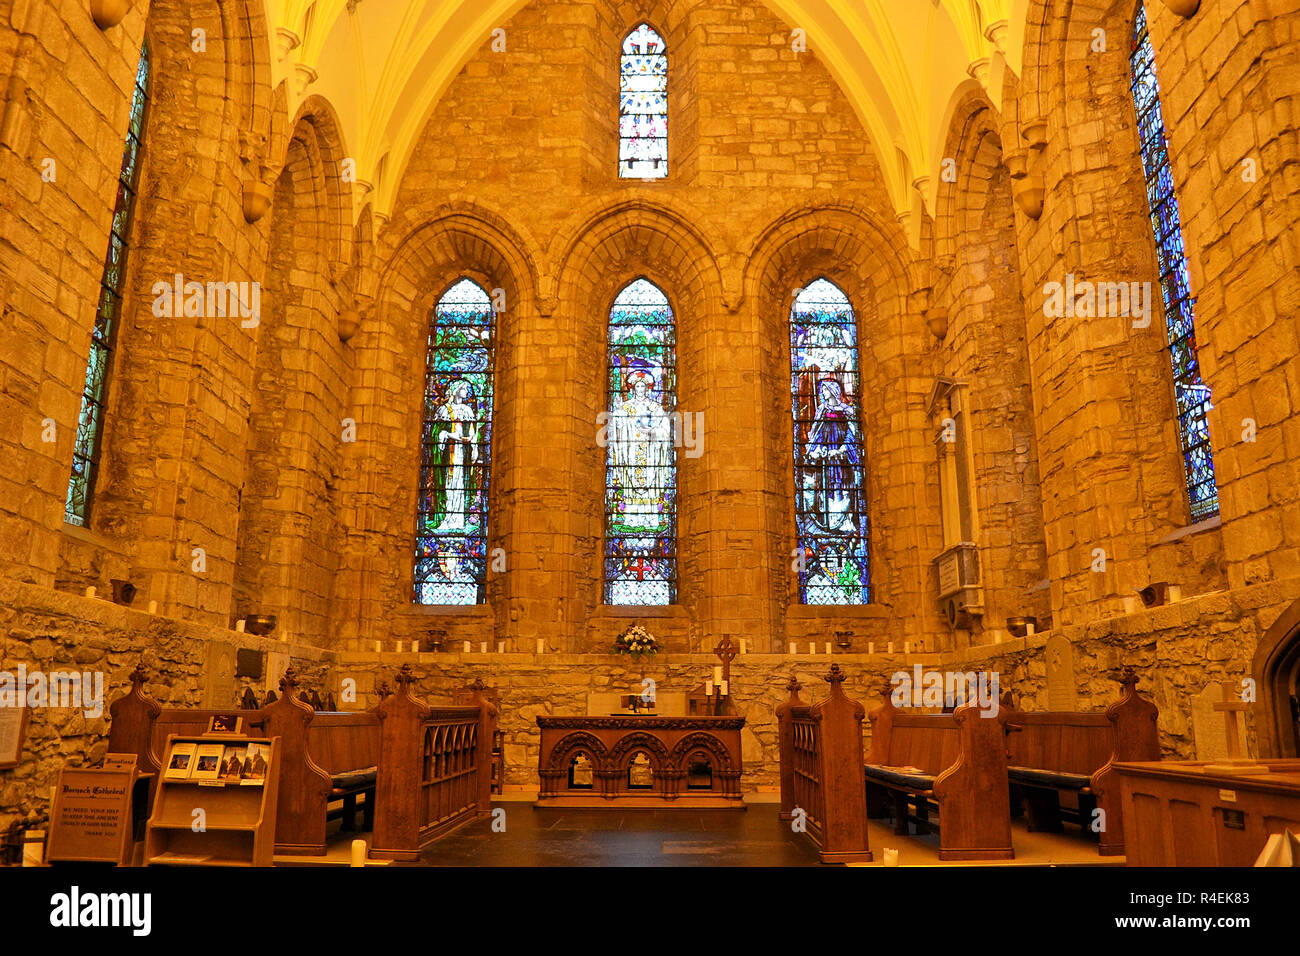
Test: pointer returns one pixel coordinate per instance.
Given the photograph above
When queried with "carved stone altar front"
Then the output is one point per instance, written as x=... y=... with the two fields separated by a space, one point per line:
x=640 y=762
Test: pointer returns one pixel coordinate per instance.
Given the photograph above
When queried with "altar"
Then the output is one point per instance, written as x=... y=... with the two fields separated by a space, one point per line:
x=640 y=760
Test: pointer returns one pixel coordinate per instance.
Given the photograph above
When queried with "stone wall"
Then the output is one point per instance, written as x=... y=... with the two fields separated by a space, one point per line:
x=49 y=631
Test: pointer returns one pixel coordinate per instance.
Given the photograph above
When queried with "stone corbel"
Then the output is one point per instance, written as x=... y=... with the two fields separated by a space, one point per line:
x=1184 y=8
x=257 y=199
x=349 y=322
x=936 y=319
x=286 y=41
x=996 y=33
x=548 y=299
x=306 y=77
x=109 y=13
x=978 y=70
x=1026 y=184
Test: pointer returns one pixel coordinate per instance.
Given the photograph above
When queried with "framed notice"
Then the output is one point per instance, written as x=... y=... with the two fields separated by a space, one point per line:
x=13 y=729
x=91 y=816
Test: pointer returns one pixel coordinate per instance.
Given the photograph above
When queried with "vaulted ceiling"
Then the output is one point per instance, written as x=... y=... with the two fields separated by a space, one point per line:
x=383 y=64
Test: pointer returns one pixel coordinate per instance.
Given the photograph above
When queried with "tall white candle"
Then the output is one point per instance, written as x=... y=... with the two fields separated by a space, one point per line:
x=358 y=853
x=891 y=647
x=812 y=647
x=792 y=648
x=742 y=646
x=482 y=647
x=708 y=688
x=501 y=647
x=871 y=647
x=717 y=674
x=467 y=647
x=379 y=647
x=828 y=647
x=541 y=645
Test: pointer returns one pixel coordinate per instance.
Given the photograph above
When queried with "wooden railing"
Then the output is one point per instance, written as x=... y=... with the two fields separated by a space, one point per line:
x=822 y=790
x=435 y=769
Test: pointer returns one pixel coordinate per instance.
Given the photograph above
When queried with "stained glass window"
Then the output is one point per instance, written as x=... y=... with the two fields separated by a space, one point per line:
x=830 y=510
x=88 y=444
x=456 y=450
x=1192 y=396
x=641 y=457
x=643 y=106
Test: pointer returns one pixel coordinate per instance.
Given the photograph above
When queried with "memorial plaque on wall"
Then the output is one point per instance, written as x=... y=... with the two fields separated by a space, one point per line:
x=91 y=816
x=13 y=726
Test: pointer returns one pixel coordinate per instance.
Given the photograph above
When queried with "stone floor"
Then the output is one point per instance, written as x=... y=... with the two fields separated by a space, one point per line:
x=749 y=838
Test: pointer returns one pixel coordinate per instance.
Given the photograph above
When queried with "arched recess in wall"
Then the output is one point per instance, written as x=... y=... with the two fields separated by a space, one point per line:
x=869 y=263
x=207 y=117
x=286 y=555
x=607 y=249
x=1276 y=669
x=380 y=470
x=982 y=407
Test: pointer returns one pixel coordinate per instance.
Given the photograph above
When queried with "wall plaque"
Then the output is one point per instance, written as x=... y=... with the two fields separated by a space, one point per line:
x=91 y=816
x=13 y=729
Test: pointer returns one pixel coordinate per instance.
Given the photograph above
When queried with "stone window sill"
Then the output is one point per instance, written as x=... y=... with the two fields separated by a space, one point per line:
x=1201 y=527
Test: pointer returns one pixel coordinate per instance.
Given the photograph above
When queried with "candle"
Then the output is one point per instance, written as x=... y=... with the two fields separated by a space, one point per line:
x=1029 y=628
x=791 y=648
x=153 y=607
x=415 y=647
x=358 y=852
x=541 y=645
x=907 y=647
x=708 y=688
x=501 y=647
x=724 y=688
x=90 y=592
x=891 y=647
x=871 y=647
x=239 y=625
x=891 y=856
x=717 y=675
x=828 y=647
x=467 y=647
x=742 y=646
x=482 y=647
x=379 y=647
x=812 y=647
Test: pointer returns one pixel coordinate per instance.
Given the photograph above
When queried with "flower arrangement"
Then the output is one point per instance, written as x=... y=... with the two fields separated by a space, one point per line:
x=636 y=641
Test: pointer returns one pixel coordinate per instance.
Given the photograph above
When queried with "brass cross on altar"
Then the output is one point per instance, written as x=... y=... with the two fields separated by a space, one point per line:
x=726 y=651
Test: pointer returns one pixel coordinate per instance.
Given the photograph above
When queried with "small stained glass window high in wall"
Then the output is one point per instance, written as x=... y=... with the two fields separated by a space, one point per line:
x=643 y=106
x=830 y=509
x=456 y=450
x=641 y=457
x=1191 y=395
x=88 y=444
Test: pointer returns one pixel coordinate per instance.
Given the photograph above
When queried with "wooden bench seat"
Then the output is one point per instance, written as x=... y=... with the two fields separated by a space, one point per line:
x=958 y=762
x=1055 y=752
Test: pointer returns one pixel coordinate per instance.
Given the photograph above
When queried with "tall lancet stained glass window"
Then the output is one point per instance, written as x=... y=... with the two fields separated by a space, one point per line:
x=456 y=450
x=643 y=106
x=88 y=444
x=1191 y=395
x=830 y=509
x=641 y=457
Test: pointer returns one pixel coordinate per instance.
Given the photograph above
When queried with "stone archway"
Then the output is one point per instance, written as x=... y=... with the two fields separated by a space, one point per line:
x=1277 y=675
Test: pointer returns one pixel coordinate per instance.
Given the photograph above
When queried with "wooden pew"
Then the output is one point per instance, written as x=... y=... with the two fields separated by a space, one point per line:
x=960 y=763
x=1064 y=751
x=820 y=747
x=324 y=758
x=435 y=769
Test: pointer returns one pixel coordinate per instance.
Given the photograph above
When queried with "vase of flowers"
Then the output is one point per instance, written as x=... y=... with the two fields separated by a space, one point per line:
x=636 y=642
